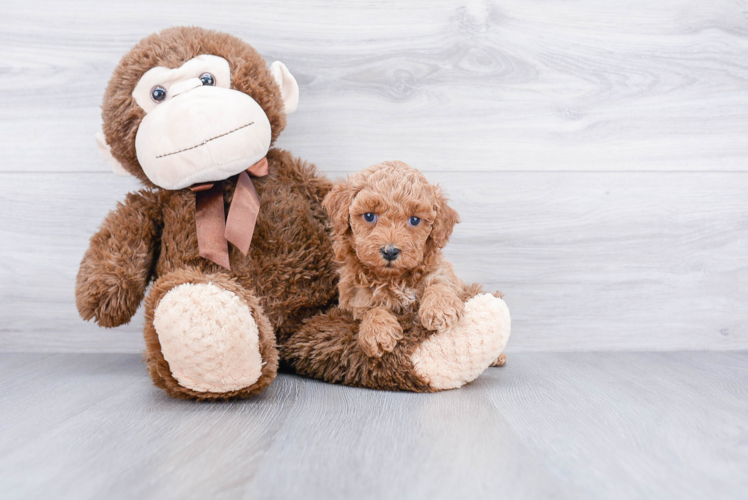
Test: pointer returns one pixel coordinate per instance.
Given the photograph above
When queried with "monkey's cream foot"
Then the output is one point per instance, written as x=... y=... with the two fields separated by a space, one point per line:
x=453 y=357
x=209 y=338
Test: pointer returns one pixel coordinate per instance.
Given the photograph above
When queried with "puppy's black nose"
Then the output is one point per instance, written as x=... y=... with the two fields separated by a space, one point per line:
x=389 y=252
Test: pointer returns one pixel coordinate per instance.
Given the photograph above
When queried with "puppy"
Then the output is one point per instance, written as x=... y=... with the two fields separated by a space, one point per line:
x=389 y=226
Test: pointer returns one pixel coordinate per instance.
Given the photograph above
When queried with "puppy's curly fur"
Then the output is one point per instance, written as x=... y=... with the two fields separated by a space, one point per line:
x=387 y=209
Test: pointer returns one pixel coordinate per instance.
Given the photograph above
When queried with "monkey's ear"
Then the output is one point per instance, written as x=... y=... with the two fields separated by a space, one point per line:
x=337 y=203
x=287 y=83
x=106 y=153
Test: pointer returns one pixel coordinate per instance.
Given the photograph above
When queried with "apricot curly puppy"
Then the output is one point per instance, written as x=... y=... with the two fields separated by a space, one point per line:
x=389 y=226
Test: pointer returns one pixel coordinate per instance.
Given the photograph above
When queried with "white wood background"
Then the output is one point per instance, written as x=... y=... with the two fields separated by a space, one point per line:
x=596 y=150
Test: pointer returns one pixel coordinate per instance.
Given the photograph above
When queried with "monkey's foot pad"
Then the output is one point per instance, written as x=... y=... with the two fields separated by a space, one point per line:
x=209 y=338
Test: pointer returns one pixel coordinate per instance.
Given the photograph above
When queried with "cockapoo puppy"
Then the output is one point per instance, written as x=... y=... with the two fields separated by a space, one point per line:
x=389 y=227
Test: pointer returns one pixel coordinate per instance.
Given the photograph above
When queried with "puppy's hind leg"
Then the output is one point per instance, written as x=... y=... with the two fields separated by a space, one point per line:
x=500 y=361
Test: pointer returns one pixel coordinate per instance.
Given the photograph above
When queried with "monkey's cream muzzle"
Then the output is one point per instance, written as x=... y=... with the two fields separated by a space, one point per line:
x=201 y=134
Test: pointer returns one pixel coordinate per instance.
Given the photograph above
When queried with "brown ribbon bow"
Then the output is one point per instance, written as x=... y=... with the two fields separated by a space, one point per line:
x=214 y=230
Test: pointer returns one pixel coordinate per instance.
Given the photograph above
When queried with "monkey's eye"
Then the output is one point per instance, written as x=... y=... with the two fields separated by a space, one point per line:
x=207 y=79
x=370 y=217
x=414 y=221
x=158 y=93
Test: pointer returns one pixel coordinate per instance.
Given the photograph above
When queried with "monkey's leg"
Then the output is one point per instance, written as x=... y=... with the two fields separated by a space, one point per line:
x=207 y=338
x=327 y=348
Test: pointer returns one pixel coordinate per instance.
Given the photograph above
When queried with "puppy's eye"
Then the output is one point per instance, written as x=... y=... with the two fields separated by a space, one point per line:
x=370 y=217
x=207 y=79
x=414 y=221
x=158 y=93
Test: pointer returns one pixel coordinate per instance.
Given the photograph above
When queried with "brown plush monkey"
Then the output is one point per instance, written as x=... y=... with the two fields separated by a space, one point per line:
x=193 y=114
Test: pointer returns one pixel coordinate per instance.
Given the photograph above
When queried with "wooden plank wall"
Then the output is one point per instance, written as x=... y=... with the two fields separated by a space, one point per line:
x=595 y=150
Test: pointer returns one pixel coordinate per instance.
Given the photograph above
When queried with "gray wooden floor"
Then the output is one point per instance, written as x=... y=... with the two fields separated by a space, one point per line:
x=548 y=425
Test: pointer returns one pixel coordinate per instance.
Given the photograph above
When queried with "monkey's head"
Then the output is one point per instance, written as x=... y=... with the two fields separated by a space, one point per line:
x=190 y=105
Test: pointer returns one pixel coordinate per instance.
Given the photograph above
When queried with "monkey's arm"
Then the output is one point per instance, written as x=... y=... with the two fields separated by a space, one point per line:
x=118 y=264
x=315 y=184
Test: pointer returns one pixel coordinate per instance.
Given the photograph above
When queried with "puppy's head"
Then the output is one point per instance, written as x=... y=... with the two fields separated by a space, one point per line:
x=390 y=217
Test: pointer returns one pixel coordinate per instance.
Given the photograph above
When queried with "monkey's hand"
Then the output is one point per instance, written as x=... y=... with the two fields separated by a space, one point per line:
x=116 y=268
x=379 y=332
x=440 y=308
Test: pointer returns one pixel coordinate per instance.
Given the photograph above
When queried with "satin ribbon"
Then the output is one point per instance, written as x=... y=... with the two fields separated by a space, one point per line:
x=214 y=230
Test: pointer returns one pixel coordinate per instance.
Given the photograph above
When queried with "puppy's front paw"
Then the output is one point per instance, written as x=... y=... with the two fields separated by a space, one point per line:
x=440 y=311
x=379 y=333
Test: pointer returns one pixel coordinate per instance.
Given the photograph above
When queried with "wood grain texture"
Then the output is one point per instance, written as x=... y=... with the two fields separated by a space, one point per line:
x=539 y=118
x=548 y=425
x=588 y=261
x=455 y=85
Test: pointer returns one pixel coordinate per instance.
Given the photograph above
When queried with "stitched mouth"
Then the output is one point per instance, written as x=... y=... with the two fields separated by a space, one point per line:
x=206 y=141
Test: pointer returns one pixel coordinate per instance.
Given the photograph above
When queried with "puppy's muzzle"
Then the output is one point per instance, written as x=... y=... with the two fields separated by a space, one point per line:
x=390 y=252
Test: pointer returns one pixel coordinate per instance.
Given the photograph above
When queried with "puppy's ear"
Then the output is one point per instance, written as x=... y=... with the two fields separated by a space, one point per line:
x=444 y=221
x=337 y=203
